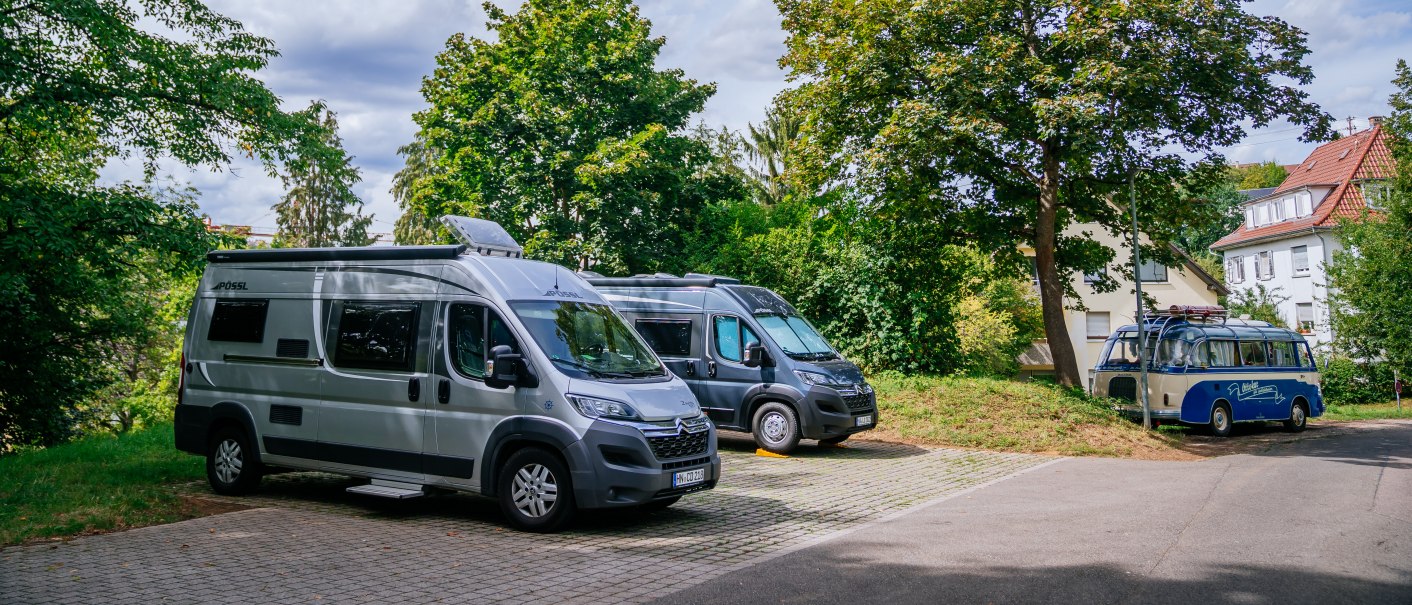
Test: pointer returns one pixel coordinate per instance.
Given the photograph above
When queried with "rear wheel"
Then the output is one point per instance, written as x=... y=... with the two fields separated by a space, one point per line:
x=536 y=493
x=230 y=463
x=1298 y=417
x=1221 y=420
x=776 y=428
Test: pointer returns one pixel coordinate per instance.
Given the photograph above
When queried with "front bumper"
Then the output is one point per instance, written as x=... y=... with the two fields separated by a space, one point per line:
x=830 y=412
x=620 y=468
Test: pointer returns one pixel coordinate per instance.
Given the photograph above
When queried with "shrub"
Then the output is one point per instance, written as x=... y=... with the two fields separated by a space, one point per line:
x=1346 y=381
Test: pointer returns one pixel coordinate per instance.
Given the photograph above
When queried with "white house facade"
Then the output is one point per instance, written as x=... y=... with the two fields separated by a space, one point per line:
x=1286 y=241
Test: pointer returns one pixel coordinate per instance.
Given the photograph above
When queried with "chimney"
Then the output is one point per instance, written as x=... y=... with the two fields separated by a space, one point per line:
x=1374 y=121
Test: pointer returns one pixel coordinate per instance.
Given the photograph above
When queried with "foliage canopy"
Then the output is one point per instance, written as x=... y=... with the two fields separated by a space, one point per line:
x=1007 y=121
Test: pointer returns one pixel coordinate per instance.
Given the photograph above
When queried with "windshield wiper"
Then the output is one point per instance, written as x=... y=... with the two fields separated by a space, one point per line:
x=581 y=366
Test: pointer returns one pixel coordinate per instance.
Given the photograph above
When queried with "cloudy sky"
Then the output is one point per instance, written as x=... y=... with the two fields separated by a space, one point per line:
x=366 y=58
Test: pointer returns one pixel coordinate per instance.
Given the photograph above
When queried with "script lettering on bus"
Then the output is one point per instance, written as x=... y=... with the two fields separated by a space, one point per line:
x=1252 y=391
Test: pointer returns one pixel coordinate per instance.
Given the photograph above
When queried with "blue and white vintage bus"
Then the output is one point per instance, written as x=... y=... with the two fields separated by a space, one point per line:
x=1207 y=369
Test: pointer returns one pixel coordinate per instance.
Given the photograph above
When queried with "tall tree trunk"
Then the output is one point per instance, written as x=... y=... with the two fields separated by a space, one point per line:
x=1051 y=286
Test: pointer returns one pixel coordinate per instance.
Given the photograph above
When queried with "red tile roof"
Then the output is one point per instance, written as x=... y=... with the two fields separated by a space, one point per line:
x=1361 y=156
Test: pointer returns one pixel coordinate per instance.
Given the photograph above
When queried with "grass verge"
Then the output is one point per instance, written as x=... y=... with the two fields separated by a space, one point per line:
x=1006 y=415
x=95 y=484
x=1367 y=411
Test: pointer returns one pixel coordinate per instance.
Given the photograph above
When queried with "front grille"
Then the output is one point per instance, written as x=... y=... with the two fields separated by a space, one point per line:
x=1123 y=387
x=858 y=403
x=669 y=466
x=679 y=446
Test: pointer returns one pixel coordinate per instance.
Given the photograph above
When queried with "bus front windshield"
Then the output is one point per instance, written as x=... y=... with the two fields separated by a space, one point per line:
x=796 y=337
x=587 y=340
x=1123 y=349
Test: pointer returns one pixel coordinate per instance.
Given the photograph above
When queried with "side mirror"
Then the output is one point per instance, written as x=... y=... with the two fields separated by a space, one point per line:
x=754 y=355
x=508 y=369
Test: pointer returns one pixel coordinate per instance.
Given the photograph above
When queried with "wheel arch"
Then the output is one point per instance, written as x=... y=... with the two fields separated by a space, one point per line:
x=232 y=414
x=517 y=433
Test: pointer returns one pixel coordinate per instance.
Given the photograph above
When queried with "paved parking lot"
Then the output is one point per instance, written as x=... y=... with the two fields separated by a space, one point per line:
x=307 y=541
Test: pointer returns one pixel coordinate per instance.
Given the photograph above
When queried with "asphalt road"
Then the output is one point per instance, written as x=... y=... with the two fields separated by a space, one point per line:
x=1319 y=520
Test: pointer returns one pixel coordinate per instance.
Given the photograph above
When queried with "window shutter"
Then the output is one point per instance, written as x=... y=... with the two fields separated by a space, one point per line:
x=1097 y=324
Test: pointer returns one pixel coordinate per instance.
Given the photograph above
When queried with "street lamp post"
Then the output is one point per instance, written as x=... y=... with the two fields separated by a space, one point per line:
x=1141 y=327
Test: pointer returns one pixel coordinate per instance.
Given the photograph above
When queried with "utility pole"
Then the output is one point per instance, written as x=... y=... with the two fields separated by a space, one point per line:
x=1141 y=326
x=1350 y=125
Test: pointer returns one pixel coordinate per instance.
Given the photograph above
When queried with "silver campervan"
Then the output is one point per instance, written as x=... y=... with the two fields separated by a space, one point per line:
x=435 y=368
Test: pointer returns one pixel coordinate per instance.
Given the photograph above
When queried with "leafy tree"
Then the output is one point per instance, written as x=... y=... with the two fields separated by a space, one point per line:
x=1004 y=122
x=1223 y=201
x=1371 y=283
x=315 y=212
x=769 y=149
x=81 y=81
x=564 y=132
x=1258 y=176
x=1259 y=303
x=414 y=227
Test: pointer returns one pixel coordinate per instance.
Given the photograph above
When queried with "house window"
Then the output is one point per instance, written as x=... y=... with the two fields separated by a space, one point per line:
x=1301 y=259
x=1235 y=269
x=1249 y=217
x=1304 y=204
x=1097 y=325
x=1304 y=314
x=1150 y=271
x=1095 y=277
x=1264 y=266
x=1375 y=194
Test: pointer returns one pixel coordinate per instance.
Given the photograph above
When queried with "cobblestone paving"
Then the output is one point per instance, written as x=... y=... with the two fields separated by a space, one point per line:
x=307 y=541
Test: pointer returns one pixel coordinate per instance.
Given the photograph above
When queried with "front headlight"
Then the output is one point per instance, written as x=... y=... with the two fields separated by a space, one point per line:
x=597 y=407
x=814 y=378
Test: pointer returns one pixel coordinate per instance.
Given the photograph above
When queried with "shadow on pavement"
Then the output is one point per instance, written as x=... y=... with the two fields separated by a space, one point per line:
x=826 y=577
x=866 y=450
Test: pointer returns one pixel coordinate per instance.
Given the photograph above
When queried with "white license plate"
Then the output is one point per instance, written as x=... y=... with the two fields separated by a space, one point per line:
x=863 y=420
x=691 y=477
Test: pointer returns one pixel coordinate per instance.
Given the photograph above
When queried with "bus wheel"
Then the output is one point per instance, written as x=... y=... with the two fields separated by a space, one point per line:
x=1221 y=420
x=1298 y=417
x=535 y=491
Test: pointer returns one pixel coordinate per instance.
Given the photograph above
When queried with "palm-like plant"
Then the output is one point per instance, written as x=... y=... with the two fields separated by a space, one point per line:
x=769 y=150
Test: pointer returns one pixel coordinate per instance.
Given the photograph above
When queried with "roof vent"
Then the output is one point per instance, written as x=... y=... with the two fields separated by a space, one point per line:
x=486 y=238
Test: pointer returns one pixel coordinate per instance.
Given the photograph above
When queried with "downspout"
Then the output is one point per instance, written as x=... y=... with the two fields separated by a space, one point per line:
x=1328 y=258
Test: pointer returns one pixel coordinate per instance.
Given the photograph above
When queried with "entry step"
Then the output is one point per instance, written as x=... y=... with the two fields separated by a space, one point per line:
x=388 y=489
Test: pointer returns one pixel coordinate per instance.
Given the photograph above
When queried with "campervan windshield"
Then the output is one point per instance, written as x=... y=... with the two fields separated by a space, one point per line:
x=588 y=340
x=796 y=337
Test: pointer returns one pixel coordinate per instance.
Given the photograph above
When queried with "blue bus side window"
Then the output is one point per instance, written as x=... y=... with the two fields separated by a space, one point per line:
x=1252 y=353
x=1221 y=353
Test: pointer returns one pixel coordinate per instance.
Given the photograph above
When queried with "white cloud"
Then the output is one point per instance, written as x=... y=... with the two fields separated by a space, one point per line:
x=367 y=59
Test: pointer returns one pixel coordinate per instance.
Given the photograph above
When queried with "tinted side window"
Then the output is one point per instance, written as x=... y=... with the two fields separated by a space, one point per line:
x=668 y=337
x=1252 y=354
x=238 y=321
x=731 y=337
x=377 y=336
x=466 y=331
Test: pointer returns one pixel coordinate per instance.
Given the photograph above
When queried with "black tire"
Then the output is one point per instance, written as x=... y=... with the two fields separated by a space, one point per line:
x=1221 y=421
x=776 y=428
x=657 y=505
x=230 y=463
x=834 y=440
x=1298 y=417
x=527 y=478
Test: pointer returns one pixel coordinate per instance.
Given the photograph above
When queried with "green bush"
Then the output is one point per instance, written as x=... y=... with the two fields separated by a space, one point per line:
x=1346 y=381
